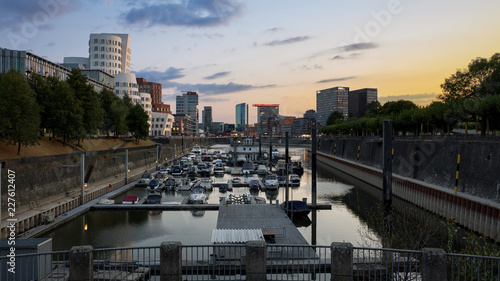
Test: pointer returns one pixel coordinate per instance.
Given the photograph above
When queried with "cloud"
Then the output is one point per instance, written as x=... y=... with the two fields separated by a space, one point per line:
x=417 y=98
x=275 y=29
x=357 y=47
x=207 y=35
x=31 y=14
x=288 y=41
x=217 y=75
x=213 y=100
x=336 y=79
x=350 y=56
x=51 y=44
x=196 y=13
x=151 y=75
x=213 y=89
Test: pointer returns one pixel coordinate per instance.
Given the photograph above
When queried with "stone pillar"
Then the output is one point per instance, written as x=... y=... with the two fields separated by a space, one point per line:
x=81 y=263
x=256 y=260
x=171 y=261
x=342 y=257
x=433 y=264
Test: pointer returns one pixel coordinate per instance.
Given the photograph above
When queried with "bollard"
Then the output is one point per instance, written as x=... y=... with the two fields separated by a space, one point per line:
x=433 y=264
x=342 y=261
x=256 y=260
x=81 y=265
x=171 y=261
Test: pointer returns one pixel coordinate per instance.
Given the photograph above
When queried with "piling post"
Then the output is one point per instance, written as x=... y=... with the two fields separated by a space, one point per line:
x=287 y=166
x=260 y=148
x=456 y=176
x=313 y=163
x=434 y=267
x=387 y=166
x=81 y=264
x=341 y=261
x=271 y=151
x=256 y=260
x=171 y=261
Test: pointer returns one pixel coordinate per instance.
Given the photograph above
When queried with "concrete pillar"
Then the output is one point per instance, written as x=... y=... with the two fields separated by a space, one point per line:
x=342 y=257
x=256 y=260
x=171 y=261
x=81 y=265
x=433 y=264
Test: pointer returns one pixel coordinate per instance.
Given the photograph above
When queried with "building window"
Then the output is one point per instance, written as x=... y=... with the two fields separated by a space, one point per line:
x=96 y=48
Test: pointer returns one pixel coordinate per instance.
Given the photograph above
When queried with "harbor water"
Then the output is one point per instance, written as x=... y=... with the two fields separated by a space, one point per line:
x=343 y=223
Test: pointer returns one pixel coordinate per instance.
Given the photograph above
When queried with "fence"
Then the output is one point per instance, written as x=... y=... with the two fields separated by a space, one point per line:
x=254 y=260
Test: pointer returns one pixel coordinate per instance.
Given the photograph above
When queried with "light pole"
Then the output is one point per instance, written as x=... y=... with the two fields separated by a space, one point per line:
x=82 y=171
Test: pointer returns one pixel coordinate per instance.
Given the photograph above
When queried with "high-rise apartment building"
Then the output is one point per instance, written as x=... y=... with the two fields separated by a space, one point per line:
x=358 y=99
x=330 y=100
x=207 y=119
x=110 y=52
x=155 y=91
x=188 y=104
x=241 y=117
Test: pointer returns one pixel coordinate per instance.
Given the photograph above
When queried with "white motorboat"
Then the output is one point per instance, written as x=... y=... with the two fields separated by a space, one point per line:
x=206 y=183
x=145 y=179
x=130 y=199
x=271 y=182
x=198 y=195
x=262 y=170
x=294 y=179
x=154 y=185
x=184 y=185
x=171 y=184
x=219 y=168
x=176 y=171
x=248 y=168
x=106 y=201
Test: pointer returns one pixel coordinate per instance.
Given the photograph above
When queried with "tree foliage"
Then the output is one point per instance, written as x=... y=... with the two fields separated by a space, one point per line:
x=335 y=118
x=137 y=122
x=19 y=111
x=115 y=113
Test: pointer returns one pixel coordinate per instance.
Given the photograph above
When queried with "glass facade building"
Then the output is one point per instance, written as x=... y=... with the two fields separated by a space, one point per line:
x=330 y=100
x=241 y=117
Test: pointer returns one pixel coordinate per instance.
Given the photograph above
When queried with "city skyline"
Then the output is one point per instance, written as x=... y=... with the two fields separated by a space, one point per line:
x=233 y=52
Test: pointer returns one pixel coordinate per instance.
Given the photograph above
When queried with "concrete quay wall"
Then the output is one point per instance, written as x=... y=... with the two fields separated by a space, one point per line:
x=478 y=214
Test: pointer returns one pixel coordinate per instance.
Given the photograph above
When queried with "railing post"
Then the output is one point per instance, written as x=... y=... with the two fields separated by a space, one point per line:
x=342 y=256
x=433 y=264
x=171 y=261
x=256 y=260
x=81 y=263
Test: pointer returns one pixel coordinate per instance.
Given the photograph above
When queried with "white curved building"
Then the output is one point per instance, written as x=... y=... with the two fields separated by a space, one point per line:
x=110 y=52
x=146 y=105
x=126 y=84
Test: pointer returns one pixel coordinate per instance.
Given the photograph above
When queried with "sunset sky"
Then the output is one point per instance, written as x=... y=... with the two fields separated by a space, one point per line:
x=269 y=51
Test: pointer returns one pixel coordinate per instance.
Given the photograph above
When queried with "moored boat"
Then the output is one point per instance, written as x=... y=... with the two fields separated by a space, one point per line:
x=294 y=180
x=130 y=199
x=198 y=195
x=153 y=198
x=296 y=208
x=271 y=182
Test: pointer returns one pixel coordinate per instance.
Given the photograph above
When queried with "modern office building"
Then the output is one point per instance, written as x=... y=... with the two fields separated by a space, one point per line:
x=110 y=52
x=184 y=124
x=267 y=115
x=188 y=104
x=161 y=124
x=206 y=118
x=358 y=99
x=242 y=117
x=155 y=91
x=28 y=63
x=330 y=100
x=126 y=84
x=302 y=126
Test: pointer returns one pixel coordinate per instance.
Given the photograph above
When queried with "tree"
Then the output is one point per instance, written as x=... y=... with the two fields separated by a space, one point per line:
x=373 y=109
x=19 y=111
x=115 y=113
x=137 y=122
x=396 y=107
x=477 y=80
x=335 y=117
x=42 y=91
x=66 y=114
x=89 y=100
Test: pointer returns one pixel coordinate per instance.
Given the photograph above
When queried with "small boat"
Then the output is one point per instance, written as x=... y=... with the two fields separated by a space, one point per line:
x=281 y=167
x=253 y=184
x=176 y=171
x=296 y=208
x=262 y=170
x=161 y=177
x=170 y=184
x=193 y=171
x=282 y=180
x=219 y=168
x=154 y=185
x=198 y=195
x=106 y=201
x=184 y=185
x=153 y=198
x=271 y=182
x=206 y=183
x=223 y=187
x=145 y=179
x=248 y=168
x=236 y=180
x=130 y=199
x=294 y=179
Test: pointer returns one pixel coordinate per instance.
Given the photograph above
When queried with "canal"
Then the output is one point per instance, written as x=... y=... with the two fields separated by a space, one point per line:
x=349 y=220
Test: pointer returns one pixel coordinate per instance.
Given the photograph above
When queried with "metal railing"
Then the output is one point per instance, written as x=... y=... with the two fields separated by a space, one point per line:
x=230 y=262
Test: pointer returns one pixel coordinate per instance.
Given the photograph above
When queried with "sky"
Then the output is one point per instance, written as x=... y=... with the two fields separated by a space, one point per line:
x=268 y=51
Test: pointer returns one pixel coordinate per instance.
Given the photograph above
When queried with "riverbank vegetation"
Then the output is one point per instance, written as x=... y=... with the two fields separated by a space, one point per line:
x=71 y=110
x=469 y=96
